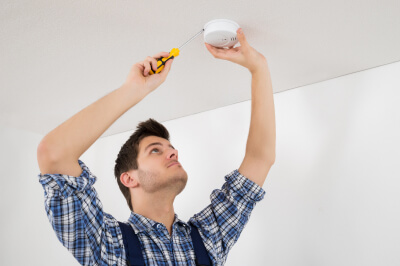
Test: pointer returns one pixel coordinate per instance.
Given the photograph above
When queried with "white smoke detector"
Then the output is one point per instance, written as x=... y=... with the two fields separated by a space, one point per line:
x=221 y=33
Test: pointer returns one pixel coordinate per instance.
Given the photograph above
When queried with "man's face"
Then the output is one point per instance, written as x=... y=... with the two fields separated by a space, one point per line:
x=155 y=173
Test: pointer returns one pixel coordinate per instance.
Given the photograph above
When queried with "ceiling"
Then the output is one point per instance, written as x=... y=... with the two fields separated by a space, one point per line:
x=57 y=57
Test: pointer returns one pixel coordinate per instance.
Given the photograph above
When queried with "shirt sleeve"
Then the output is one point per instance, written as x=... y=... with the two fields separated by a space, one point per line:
x=222 y=222
x=76 y=215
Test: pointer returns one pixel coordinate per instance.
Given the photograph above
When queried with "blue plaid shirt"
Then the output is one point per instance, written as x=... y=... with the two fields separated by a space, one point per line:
x=94 y=237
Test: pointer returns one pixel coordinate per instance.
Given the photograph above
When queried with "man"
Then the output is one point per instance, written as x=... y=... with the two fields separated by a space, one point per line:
x=150 y=177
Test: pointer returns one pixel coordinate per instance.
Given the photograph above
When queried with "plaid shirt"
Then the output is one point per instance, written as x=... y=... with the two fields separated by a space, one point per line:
x=94 y=237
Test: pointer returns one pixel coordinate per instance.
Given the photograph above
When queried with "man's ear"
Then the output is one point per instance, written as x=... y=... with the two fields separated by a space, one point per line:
x=129 y=179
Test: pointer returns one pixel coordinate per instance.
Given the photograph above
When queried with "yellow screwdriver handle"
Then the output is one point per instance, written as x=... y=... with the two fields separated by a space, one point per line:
x=161 y=62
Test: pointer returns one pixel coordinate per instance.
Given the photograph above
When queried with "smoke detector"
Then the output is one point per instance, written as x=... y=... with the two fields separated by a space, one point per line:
x=221 y=33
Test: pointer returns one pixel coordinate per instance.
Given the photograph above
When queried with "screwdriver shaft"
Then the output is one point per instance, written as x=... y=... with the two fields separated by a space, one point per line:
x=191 y=39
x=174 y=53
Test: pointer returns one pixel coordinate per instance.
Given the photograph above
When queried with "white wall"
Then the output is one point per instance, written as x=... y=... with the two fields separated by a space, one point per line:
x=332 y=196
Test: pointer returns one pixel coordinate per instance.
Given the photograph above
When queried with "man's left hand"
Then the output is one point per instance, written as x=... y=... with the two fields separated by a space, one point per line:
x=244 y=55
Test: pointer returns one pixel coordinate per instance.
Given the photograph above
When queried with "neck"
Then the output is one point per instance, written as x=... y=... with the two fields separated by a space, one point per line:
x=155 y=207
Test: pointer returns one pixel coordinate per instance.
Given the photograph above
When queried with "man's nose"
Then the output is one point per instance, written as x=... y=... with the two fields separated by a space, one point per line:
x=173 y=154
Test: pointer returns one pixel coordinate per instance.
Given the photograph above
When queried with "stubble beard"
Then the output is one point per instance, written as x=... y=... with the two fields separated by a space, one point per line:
x=152 y=182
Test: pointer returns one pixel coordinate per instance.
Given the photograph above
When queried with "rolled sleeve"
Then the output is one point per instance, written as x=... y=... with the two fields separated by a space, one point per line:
x=65 y=185
x=244 y=186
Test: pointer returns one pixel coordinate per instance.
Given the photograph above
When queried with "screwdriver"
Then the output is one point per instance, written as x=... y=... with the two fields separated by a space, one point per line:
x=174 y=53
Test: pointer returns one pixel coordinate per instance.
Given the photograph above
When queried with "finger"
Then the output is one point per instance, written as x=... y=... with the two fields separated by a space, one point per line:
x=221 y=53
x=153 y=63
x=242 y=39
x=161 y=54
x=216 y=52
x=166 y=68
x=146 y=65
x=154 y=59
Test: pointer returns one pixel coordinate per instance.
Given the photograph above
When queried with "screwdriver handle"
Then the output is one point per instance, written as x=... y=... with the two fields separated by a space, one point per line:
x=161 y=62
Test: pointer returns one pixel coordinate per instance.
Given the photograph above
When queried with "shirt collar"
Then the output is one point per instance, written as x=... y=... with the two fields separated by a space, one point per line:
x=141 y=223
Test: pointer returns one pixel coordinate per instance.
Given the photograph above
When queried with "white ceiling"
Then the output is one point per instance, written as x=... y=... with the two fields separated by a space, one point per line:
x=57 y=57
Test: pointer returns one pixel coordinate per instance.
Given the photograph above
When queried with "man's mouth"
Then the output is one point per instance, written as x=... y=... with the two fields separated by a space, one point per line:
x=173 y=164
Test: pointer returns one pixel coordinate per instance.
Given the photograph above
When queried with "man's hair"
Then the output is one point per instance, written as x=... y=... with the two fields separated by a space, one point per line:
x=127 y=156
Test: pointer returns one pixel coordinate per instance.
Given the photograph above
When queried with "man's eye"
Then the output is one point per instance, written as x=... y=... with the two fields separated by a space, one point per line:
x=154 y=149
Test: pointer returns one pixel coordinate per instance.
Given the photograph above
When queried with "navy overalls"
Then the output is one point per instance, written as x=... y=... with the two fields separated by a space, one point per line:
x=133 y=248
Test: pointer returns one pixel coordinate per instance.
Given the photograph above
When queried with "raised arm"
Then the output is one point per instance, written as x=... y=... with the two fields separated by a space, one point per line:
x=72 y=203
x=59 y=150
x=260 y=147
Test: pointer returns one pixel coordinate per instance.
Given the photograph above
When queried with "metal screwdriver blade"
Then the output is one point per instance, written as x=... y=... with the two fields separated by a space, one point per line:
x=180 y=48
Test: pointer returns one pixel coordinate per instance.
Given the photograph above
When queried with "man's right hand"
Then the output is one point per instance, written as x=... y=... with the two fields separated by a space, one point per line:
x=140 y=78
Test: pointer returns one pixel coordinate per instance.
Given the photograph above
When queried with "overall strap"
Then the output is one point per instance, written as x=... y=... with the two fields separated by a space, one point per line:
x=202 y=258
x=133 y=249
